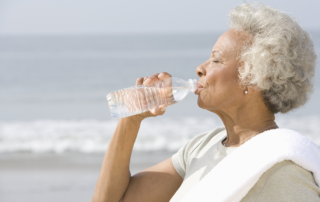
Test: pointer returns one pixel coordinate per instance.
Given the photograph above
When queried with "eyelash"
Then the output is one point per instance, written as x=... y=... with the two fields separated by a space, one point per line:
x=215 y=61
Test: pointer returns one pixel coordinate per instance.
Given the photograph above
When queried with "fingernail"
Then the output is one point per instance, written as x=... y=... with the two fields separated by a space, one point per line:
x=160 y=75
x=146 y=82
x=169 y=94
x=163 y=109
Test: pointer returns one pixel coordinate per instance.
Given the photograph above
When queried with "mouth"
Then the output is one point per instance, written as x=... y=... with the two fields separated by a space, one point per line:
x=200 y=87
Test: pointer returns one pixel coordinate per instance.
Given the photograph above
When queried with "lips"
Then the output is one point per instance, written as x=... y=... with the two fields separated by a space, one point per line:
x=200 y=87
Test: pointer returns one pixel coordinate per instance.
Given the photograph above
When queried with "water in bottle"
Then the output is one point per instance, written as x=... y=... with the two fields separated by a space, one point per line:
x=138 y=99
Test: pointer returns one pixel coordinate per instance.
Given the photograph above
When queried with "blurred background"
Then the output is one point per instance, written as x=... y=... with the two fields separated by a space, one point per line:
x=60 y=58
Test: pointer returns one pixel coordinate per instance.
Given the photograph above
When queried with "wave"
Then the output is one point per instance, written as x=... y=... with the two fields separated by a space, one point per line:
x=93 y=136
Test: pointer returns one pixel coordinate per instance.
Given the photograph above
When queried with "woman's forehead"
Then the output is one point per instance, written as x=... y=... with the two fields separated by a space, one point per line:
x=229 y=44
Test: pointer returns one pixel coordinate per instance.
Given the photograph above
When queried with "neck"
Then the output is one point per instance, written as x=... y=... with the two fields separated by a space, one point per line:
x=242 y=125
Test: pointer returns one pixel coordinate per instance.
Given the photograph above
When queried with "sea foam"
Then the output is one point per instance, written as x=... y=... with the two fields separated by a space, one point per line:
x=93 y=136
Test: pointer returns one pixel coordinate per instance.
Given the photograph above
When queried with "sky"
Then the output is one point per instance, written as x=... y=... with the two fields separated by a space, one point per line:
x=42 y=17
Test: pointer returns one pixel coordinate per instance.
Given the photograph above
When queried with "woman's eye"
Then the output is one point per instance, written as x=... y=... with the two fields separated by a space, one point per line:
x=215 y=61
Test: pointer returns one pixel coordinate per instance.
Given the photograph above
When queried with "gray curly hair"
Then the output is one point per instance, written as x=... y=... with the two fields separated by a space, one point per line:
x=279 y=60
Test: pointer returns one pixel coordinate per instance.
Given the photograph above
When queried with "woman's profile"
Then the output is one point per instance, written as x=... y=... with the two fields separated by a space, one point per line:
x=263 y=65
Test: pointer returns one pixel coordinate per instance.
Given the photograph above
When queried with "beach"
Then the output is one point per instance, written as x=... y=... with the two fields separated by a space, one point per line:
x=58 y=174
x=58 y=177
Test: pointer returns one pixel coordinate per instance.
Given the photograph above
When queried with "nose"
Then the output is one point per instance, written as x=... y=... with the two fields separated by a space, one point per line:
x=201 y=69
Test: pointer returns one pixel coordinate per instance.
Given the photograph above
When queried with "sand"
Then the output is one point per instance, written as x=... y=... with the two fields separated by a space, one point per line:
x=58 y=177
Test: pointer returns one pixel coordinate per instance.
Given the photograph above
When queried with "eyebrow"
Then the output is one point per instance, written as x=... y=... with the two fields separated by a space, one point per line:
x=212 y=53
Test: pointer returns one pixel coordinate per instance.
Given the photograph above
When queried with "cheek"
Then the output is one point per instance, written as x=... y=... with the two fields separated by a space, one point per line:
x=223 y=86
x=224 y=79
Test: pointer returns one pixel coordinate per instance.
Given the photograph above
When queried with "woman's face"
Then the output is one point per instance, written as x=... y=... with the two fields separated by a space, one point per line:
x=219 y=75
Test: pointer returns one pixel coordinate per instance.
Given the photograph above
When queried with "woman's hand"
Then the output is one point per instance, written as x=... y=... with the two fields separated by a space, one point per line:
x=157 y=183
x=149 y=81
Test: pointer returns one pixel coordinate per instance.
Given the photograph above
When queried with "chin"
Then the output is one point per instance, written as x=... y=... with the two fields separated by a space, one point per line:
x=211 y=107
x=201 y=104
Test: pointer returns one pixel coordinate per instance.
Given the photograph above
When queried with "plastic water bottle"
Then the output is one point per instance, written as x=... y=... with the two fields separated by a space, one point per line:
x=139 y=99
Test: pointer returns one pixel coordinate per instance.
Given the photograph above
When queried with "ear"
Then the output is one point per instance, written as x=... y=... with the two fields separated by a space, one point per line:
x=252 y=88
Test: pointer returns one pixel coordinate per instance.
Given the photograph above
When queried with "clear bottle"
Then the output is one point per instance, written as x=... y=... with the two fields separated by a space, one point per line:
x=139 y=99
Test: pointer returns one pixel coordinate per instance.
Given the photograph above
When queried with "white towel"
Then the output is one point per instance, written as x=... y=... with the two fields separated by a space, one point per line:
x=237 y=173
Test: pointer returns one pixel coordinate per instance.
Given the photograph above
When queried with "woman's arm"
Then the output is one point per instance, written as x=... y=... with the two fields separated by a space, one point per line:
x=115 y=183
x=157 y=184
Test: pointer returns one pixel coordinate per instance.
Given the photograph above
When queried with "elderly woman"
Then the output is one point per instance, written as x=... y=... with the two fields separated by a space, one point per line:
x=264 y=64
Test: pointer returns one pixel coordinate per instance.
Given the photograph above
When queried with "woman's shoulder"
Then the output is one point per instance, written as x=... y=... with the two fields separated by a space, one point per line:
x=181 y=158
x=204 y=139
x=285 y=181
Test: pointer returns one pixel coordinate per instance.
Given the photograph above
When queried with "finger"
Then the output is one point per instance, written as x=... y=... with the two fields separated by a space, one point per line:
x=163 y=108
x=144 y=79
x=139 y=81
x=164 y=76
x=151 y=80
x=159 y=110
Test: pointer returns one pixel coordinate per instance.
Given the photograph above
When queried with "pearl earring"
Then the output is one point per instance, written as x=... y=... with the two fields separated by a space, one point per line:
x=246 y=91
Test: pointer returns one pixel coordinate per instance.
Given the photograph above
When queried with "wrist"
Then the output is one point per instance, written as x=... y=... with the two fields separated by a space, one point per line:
x=133 y=119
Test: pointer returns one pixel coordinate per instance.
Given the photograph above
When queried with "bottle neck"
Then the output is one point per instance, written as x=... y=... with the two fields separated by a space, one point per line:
x=192 y=85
